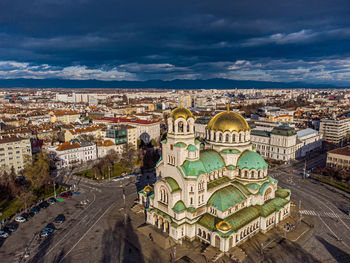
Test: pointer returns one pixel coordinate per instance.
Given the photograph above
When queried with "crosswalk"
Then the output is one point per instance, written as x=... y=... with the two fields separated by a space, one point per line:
x=323 y=214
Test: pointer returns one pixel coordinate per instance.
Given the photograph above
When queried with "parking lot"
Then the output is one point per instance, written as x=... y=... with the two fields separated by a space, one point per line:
x=27 y=236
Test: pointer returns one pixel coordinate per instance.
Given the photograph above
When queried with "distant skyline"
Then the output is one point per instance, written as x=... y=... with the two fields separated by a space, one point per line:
x=273 y=40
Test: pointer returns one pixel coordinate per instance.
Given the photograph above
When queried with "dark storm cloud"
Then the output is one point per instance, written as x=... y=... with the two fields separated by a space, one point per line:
x=113 y=39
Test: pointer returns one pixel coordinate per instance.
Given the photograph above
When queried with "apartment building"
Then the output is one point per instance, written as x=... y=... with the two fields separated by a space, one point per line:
x=65 y=117
x=339 y=158
x=14 y=151
x=335 y=130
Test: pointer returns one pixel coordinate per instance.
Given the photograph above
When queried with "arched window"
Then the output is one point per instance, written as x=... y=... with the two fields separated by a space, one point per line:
x=233 y=137
x=180 y=127
x=268 y=194
x=252 y=174
x=199 y=232
x=188 y=128
x=227 y=138
x=246 y=174
x=240 y=137
x=220 y=137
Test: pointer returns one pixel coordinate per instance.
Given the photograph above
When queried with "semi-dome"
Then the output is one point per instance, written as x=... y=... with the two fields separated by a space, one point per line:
x=181 y=112
x=228 y=121
x=251 y=160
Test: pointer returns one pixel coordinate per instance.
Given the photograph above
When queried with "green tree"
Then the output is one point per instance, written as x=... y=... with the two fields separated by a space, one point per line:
x=38 y=172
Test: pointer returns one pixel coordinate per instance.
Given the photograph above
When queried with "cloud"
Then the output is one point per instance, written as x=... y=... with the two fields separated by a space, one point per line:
x=114 y=39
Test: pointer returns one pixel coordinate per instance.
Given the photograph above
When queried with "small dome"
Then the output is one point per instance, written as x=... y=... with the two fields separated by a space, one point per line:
x=181 y=112
x=148 y=189
x=223 y=225
x=251 y=160
x=228 y=121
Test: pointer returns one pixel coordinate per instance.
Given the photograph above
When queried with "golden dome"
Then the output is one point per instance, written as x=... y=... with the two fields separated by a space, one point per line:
x=148 y=189
x=228 y=121
x=223 y=225
x=181 y=112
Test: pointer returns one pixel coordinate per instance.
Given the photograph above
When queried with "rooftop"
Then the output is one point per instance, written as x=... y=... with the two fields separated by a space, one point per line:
x=342 y=151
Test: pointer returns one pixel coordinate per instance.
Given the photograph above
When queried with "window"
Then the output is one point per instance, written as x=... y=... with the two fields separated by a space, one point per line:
x=171 y=147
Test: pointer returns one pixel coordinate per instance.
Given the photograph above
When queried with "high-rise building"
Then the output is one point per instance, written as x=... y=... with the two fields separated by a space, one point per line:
x=335 y=130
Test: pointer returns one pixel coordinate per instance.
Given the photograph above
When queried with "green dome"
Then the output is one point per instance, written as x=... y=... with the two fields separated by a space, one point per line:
x=226 y=197
x=179 y=206
x=251 y=160
x=180 y=144
x=209 y=161
x=192 y=148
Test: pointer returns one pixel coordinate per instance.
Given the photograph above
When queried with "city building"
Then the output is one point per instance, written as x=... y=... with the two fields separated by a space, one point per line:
x=308 y=140
x=104 y=147
x=339 y=158
x=335 y=130
x=146 y=130
x=284 y=143
x=278 y=144
x=14 y=152
x=219 y=193
x=74 y=153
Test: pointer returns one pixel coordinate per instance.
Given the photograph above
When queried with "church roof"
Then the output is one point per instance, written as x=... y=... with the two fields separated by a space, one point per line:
x=179 y=206
x=192 y=148
x=173 y=184
x=230 y=151
x=226 y=197
x=243 y=217
x=251 y=160
x=180 y=144
x=282 y=192
x=209 y=161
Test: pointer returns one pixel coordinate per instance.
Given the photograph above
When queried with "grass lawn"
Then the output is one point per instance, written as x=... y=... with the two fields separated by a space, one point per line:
x=118 y=170
x=339 y=185
x=9 y=208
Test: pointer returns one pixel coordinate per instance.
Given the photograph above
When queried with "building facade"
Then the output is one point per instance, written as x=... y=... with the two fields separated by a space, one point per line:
x=218 y=192
x=14 y=151
x=335 y=130
x=74 y=153
x=339 y=158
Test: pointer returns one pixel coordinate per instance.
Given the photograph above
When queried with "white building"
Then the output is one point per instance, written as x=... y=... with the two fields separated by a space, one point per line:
x=309 y=140
x=335 y=130
x=69 y=154
x=284 y=143
x=218 y=193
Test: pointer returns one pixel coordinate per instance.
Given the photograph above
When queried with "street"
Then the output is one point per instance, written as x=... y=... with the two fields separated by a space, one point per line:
x=321 y=206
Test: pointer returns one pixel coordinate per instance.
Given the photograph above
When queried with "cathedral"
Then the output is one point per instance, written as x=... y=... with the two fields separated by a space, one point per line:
x=219 y=191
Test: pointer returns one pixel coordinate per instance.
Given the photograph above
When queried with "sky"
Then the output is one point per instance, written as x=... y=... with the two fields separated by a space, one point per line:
x=270 y=40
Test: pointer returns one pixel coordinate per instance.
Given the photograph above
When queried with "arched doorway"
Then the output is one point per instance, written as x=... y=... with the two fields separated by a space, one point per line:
x=217 y=242
x=268 y=194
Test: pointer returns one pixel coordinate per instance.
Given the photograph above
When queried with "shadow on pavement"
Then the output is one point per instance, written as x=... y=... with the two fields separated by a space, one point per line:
x=338 y=254
x=43 y=247
x=121 y=244
x=284 y=251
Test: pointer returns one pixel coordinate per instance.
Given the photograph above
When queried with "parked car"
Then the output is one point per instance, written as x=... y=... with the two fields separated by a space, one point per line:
x=26 y=216
x=51 y=201
x=20 y=219
x=11 y=228
x=35 y=210
x=63 y=196
x=60 y=218
x=44 y=204
x=31 y=214
x=44 y=233
x=3 y=234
